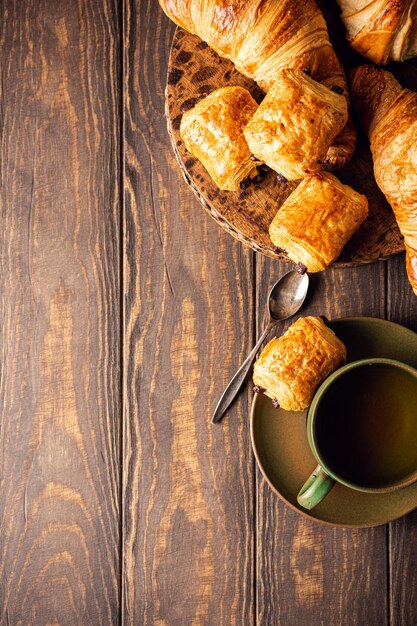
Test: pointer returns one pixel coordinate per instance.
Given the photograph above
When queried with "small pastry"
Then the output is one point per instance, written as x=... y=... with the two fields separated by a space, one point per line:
x=317 y=219
x=213 y=132
x=296 y=123
x=291 y=367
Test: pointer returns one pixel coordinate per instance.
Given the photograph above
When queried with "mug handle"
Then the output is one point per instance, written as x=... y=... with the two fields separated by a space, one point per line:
x=315 y=488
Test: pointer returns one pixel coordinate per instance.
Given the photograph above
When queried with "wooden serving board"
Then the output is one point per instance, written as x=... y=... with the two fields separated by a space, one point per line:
x=195 y=71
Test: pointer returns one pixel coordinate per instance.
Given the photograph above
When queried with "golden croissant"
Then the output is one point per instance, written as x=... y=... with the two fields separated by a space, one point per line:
x=381 y=30
x=290 y=368
x=388 y=114
x=262 y=37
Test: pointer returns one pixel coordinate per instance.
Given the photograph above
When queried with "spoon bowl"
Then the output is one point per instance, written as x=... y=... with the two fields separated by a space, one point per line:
x=287 y=295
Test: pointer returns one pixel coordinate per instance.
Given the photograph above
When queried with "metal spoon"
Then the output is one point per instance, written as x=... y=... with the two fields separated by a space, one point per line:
x=284 y=300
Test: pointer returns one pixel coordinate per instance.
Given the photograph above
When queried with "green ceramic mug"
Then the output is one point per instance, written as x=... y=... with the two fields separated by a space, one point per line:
x=362 y=430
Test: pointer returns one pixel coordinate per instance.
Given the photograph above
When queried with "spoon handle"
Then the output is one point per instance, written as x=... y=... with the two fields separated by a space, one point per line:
x=238 y=379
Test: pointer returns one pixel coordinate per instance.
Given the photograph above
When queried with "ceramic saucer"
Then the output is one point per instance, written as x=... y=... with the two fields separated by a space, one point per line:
x=279 y=438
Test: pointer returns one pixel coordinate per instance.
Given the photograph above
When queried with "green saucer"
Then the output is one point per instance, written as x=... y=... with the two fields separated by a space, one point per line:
x=279 y=437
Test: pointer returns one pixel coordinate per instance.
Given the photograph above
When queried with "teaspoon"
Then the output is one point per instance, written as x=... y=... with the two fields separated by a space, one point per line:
x=284 y=300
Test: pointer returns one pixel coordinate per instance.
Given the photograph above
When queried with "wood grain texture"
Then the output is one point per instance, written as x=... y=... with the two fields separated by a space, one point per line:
x=402 y=308
x=308 y=573
x=59 y=313
x=188 y=487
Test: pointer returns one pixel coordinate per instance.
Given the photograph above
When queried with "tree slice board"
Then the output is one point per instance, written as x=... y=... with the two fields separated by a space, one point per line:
x=195 y=71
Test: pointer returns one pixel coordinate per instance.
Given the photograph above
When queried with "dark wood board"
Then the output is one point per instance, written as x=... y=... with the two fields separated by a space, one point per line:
x=308 y=573
x=402 y=308
x=189 y=310
x=59 y=313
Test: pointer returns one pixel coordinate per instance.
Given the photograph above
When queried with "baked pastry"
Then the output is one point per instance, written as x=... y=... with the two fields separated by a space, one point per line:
x=317 y=219
x=381 y=30
x=262 y=37
x=294 y=126
x=388 y=114
x=213 y=132
x=291 y=367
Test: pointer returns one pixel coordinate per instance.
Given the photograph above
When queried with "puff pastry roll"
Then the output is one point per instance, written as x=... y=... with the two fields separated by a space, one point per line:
x=317 y=219
x=295 y=124
x=263 y=37
x=381 y=30
x=213 y=132
x=291 y=367
x=388 y=114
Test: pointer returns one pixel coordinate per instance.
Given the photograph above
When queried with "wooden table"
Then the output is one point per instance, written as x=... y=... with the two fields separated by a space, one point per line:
x=124 y=311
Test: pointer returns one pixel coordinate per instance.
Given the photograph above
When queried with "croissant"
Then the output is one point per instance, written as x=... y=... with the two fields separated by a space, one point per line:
x=290 y=368
x=295 y=124
x=317 y=219
x=388 y=114
x=262 y=37
x=381 y=30
x=213 y=132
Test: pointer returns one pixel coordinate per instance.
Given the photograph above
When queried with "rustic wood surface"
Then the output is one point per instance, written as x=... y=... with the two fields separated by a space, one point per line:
x=60 y=313
x=124 y=311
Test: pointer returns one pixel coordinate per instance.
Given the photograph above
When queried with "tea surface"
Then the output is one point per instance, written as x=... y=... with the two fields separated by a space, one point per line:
x=366 y=427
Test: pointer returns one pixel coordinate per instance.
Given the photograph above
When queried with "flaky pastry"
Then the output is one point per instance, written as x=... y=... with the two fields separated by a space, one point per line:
x=388 y=114
x=213 y=132
x=381 y=30
x=295 y=124
x=317 y=219
x=290 y=368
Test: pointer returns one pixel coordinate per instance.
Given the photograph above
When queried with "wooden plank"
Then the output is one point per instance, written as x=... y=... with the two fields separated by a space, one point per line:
x=402 y=308
x=187 y=485
x=309 y=573
x=59 y=312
